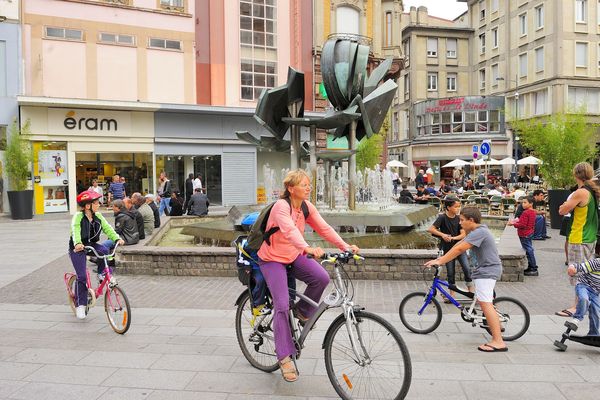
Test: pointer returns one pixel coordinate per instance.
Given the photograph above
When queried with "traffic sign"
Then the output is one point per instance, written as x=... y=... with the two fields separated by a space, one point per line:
x=475 y=148
x=486 y=147
x=475 y=155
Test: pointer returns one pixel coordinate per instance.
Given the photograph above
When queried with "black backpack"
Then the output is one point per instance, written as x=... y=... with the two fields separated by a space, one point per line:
x=258 y=233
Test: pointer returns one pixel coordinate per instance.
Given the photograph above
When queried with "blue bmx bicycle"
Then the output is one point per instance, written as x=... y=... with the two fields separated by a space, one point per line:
x=420 y=312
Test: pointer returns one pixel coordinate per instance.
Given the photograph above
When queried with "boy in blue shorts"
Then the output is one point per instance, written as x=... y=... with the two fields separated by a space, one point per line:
x=587 y=290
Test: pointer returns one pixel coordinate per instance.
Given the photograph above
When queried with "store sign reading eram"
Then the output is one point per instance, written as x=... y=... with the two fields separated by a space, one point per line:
x=89 y=122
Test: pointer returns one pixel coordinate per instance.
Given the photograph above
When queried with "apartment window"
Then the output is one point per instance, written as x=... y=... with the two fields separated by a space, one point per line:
x=114 y=38
x=451 y=45
x=599 y=55
x=348 y=19
x=521 y=105
x=406 y=84
x=432 y=81
x=482 y=79
x=257 y=23
x=580 y=10
x=173 y=4
x=406 y=48
x=406 y=123
x=495 y=74
x=432 y=47
x=388 y=28
x=539 y=102
x=539 y=17
x=584 y=97
x=495 y=38
x=482 y=10
x=539 y=59
x=256 y=75
x=64 y=33
x=523 y=24
x=523 y=65
x=3 y=91
x=581 y=55
x=165 y=44
x=451 y=82
x=482 y=43
x=494 y=5
x=395 y=127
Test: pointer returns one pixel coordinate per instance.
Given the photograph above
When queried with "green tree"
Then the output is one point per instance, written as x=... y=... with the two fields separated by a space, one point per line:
x=18 y=157
x=560 y=141
x=369 y=150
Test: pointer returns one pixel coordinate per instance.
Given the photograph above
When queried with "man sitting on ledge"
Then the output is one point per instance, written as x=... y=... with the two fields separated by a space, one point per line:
x=198 y=204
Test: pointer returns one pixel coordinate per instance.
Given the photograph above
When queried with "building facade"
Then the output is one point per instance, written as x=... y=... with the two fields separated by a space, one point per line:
x=89 y=66
x=10 y=81
x=543 y=57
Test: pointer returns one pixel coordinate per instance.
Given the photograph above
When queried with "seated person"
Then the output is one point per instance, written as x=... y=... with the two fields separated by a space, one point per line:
x=469 y=185
x=444 y=189
x=406 y=196
x=430 y=189
x=125 y=223
x=540 y=232
x=176 y=204
x=496 y=191
x=422 y=196
x=198 y=204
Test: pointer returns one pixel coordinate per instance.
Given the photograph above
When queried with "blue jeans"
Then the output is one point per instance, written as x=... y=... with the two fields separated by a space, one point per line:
x=540 y=227
x=588 y=300
x=528 y=247
x=164 y=205
x=464 y=263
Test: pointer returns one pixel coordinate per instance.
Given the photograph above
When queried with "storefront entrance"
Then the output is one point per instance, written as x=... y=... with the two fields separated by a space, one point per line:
x=135 y=167
x=178 y=168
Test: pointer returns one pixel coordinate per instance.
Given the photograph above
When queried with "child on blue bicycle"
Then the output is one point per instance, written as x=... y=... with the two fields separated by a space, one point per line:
x=485 y=272
x=86 y=227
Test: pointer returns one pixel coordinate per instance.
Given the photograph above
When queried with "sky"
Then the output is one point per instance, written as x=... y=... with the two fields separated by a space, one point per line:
x=448 y=9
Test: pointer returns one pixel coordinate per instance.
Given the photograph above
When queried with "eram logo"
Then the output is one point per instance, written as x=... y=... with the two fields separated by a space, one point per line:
x=91 y=124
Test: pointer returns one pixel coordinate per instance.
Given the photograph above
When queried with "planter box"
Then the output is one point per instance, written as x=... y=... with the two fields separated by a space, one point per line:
x=555 y=198
x=21 y=204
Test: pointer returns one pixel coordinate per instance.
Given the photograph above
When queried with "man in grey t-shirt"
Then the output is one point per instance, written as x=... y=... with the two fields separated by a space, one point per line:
x=487 y=270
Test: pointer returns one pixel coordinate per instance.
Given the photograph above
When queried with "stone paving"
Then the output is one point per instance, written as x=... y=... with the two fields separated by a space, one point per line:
x=182 y=341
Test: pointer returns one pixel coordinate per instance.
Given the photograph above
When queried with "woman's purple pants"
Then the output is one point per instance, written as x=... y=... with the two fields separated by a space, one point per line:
x=308 y=271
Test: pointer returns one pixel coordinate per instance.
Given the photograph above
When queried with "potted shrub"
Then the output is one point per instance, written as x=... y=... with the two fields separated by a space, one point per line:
x=18 y=157
x=560 y=140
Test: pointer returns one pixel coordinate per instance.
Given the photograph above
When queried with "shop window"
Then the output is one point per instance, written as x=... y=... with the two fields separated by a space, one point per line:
x=50 y=168
x=446 y=119
x=481 y=116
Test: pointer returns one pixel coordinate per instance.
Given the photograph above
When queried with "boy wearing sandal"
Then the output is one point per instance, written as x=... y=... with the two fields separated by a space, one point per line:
x=447 y=228
x=485 y=273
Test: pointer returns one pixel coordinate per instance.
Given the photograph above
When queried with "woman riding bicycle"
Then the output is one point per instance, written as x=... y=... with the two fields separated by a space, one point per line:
x=288 y=247
x=86 y=227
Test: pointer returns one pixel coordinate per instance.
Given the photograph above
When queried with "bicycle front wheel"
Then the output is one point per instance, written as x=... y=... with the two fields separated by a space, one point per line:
x=117 y=309
x=382 y=369
x=426 y=322
x=514 y=317
x=255 y=336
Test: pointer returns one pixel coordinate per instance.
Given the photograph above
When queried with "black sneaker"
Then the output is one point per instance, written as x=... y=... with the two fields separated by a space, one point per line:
x=531 y=272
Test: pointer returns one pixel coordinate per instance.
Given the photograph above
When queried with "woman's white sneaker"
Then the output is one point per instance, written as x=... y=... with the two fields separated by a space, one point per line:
x=80 y=312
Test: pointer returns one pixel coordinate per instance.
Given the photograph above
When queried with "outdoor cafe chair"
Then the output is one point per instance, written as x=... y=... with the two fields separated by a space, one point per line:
x=508 y=205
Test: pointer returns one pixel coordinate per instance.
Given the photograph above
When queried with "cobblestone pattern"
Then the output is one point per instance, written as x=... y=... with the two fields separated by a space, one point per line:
x=219 y=261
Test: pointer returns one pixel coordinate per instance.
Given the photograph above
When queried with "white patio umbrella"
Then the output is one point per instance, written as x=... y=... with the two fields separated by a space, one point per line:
x=491 y=161
x=507 y=161
x=531 y=160
x=396 y=163
x=457 y=162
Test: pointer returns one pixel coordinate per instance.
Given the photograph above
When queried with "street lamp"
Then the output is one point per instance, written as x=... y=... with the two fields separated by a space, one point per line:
x=514 y=130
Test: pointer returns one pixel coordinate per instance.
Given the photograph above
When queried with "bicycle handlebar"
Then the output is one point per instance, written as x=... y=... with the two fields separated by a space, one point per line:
x=93 y=250
x=342 y=257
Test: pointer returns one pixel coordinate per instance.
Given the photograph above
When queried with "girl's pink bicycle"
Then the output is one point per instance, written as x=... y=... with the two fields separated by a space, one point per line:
x=116 y=304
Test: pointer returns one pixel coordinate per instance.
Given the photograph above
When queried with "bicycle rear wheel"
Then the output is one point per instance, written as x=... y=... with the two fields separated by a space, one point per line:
x=117 y=309
x=384 y=369
x=514 y=318
x=427 y=321
x=255 y=336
